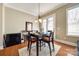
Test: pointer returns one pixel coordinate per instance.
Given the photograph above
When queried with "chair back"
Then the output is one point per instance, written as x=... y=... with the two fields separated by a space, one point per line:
x=33 y=35
x=50 y=35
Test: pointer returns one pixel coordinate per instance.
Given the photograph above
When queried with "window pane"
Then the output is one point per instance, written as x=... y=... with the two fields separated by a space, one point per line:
x=50 y=23
x=73 y=21
x=44 y=25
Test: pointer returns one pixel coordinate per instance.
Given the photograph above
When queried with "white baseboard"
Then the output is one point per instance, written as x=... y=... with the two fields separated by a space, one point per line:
x=66 y=42
x=1 y=47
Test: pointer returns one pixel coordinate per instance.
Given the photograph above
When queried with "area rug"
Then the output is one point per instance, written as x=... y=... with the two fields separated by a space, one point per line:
x=44 y=50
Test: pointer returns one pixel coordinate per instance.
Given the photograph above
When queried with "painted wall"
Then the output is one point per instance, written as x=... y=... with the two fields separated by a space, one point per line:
x=15 y=20
x=1 y=41
x=61 y=23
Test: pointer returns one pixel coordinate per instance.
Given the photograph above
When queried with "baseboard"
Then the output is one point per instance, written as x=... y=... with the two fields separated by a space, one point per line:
x=1 y=47
x=66 y=42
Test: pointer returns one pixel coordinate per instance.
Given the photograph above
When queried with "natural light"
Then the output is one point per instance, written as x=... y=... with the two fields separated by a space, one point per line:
x=73 y=21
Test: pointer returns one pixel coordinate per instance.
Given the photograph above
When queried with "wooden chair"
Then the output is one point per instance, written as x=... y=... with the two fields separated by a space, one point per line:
x=30 y=37
x=48 y=38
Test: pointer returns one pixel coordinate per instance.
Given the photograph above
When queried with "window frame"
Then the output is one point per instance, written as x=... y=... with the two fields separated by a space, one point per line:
x=54 y=21
x=48 y=23
x=45 y=24
x=69 y=8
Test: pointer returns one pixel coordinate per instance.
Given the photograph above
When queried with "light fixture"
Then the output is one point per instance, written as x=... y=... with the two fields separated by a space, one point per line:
x=38 y=17
x=36 y=21
x=40 y=20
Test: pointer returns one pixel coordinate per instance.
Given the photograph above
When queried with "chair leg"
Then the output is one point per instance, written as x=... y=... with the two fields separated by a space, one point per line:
x=40 y=45
x=44 y=44
x=53 y=48
x=30 y=47
x=53 y=45
x=49 y=49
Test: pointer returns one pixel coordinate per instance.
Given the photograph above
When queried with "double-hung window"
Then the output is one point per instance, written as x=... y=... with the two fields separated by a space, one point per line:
x=73 y=21
x=44 y=24
x=48 y=24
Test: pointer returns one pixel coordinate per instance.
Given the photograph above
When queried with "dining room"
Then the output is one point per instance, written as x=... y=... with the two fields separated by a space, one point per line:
x=39 y=29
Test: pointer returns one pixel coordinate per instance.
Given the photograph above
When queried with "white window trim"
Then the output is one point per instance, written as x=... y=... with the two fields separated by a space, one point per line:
x=46 y=17
x=67 y=20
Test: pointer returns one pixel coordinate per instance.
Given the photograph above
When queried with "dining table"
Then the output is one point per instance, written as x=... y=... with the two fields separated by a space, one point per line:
x=38 y=38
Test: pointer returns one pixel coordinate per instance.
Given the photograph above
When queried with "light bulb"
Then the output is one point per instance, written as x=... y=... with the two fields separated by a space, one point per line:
x=36 y=21
x=40 y=20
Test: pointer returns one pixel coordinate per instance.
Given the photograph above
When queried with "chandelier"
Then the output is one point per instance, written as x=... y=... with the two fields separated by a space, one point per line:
x=38 y=17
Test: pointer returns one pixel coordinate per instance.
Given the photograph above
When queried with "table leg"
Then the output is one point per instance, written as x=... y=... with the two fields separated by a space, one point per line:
x=37 y=48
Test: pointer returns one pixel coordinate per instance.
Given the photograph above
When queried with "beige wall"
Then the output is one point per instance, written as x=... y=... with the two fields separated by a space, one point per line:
x=15 y=20
x=0 y=18
x=61 y=23
x=1 y=41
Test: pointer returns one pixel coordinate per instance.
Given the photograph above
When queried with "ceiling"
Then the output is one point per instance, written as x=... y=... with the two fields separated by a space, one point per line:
x=34 y=8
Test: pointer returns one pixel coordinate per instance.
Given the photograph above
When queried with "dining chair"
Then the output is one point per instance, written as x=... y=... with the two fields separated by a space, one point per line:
x=48 y=38
x=31 y=37
x=26 y=37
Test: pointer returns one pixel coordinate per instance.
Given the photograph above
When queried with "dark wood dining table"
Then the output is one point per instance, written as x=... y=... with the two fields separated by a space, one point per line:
x=38 y=39
x=37 y=43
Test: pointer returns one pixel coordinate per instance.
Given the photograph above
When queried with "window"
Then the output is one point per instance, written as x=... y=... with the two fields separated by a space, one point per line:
x=47 y=24
x=50 y=23
x=73 y=21
x=44 y=25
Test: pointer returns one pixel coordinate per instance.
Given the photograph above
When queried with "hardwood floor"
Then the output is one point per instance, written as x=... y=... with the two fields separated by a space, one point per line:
x=13 y=51
x=65 y=49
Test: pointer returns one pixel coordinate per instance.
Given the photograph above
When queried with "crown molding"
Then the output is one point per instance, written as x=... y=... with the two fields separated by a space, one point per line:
x=18 y=9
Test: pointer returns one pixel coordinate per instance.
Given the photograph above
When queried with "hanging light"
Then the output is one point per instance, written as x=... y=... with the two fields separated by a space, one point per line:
x=40 y=20
x=36 y=21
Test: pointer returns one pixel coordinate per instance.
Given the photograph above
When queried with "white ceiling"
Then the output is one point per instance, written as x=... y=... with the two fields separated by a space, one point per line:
x=33 y=8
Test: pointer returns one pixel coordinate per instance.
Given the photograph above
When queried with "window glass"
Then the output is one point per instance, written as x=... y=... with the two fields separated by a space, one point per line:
x=73 y=21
